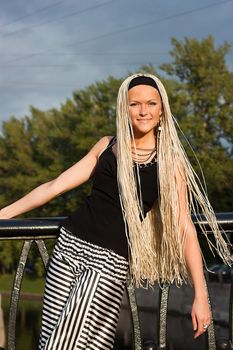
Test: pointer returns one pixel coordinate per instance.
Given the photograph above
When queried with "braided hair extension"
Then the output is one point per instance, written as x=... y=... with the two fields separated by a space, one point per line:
x=156 y=246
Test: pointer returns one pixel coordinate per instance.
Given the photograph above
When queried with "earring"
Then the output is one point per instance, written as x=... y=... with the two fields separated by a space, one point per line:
x=159 y=124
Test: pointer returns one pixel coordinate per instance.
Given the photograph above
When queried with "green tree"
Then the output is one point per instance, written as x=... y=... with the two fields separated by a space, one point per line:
x=202 y=93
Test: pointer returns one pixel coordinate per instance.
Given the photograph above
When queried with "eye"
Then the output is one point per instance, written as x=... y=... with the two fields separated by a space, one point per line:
x=133 y=104
x=152 y=103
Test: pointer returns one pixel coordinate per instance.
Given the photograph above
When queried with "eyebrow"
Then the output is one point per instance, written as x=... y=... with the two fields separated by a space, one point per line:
x=153 y=99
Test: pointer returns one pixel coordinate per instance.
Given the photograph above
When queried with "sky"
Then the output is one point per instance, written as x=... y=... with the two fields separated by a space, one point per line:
x=50 y=48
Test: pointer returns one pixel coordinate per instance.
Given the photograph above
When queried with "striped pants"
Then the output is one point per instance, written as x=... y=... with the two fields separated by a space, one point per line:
x=83 y=293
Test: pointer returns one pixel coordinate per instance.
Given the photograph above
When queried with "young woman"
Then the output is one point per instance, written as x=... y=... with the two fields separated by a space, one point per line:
x=136 y=219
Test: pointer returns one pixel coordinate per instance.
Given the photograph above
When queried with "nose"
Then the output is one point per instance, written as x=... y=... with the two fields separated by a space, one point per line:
x=143 y=110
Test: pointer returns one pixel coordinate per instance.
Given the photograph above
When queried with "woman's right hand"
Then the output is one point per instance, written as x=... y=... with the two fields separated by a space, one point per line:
x=2 y=216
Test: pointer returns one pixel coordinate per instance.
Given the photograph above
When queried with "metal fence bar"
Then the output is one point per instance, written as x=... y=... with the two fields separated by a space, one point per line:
x=43 y=251
x=210 y=334
x=231 y=313
x=16 y=293
x=17 y=284
x=164 y=294
x=137 y=341
x=42 y=228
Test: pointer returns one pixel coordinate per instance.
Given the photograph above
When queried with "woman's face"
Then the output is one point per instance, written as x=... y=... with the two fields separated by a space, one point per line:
x=145 y=108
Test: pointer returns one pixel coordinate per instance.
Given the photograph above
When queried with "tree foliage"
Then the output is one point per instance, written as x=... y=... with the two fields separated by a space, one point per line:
x=205 y=109
x=39 y=146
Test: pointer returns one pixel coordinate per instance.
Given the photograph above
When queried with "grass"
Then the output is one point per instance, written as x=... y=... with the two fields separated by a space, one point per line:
x=30 y=284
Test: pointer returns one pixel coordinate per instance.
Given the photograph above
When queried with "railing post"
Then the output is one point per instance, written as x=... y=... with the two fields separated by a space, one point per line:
x=15 y=294
x=210 y=336
x=17 y=285
x=43 y=251
x=2 y=327
x=137 y=342
x=164 y=294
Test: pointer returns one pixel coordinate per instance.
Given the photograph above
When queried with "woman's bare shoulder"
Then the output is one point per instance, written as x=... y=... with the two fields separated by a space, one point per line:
x=101 y=145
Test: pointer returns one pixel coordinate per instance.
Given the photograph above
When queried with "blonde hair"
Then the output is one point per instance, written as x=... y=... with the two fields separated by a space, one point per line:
x=156 y=247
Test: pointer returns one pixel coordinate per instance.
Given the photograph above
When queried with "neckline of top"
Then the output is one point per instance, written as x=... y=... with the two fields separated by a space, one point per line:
x=140 y=165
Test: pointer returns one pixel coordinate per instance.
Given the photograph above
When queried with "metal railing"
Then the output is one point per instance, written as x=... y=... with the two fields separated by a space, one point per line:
x=39 y=229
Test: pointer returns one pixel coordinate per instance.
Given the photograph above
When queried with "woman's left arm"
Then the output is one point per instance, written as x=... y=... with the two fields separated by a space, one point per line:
x=200 y=310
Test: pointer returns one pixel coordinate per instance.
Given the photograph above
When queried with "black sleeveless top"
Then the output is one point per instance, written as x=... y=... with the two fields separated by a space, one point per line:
x=100 y=220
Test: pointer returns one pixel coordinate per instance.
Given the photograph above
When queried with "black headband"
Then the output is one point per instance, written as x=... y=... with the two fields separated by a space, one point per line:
x=143 y=80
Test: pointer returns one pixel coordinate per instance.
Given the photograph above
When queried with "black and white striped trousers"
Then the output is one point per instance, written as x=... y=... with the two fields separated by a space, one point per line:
x=83 y=293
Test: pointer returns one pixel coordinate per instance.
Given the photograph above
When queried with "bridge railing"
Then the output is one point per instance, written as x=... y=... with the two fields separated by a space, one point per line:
x=40 y=229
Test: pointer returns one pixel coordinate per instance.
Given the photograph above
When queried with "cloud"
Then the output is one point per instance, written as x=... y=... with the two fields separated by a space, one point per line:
x=67 y=57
